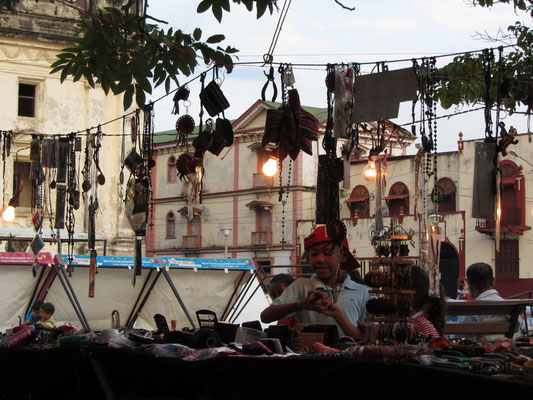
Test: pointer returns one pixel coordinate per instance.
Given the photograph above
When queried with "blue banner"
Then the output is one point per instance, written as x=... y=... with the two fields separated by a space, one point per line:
x=167 y=262
x=208 y=263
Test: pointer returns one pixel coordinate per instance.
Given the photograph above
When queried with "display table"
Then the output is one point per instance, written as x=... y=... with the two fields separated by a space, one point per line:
x=100 y=372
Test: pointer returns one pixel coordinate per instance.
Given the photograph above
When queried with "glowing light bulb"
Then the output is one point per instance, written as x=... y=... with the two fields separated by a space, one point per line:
x=270 y=167
x=8 y=214
x=369 y=172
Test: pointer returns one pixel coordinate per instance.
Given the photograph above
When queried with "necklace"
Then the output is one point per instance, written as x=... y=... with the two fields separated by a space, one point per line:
x=333 y=293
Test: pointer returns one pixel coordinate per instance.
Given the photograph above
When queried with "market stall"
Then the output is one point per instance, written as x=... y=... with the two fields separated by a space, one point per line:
x=25 y=278
x=186 y=286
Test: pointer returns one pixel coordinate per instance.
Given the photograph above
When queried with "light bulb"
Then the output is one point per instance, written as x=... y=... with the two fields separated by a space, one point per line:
x=270 y=167
x=8 y=214
x=369 y=172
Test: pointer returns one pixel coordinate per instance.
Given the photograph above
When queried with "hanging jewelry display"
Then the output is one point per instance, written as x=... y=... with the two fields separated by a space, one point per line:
x=86 y=172
x=73 y=202
x=100 y=178
x=91 y=236
x=212 y=98
x=182 y=94
x=122 y=159
x=184 y=126
x=135 y=126
x=327 y=193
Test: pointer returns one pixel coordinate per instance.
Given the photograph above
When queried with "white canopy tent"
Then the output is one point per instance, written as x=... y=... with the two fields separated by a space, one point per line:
x=220 y=285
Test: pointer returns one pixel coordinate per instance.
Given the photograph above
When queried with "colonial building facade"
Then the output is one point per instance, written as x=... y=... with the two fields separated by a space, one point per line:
x=242 y=212
x=36 y=105
x=465 y=239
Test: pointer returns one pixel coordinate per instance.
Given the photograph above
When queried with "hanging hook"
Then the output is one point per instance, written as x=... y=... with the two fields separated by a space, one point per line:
x=270 y=78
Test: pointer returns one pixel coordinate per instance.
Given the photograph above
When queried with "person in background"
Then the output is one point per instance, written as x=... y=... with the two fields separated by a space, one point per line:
x=329 y=296
x=278 y=284
x=428 y=312
x=47 y=310
x=276 y=287
x=35 y=314
x=480 y=280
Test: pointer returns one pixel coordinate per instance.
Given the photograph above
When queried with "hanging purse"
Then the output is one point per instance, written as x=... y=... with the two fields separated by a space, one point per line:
x=224 y=129
x=213 y=99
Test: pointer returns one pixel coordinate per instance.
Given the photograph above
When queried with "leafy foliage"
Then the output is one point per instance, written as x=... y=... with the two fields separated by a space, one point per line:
x=119 y=50
x=463 y=80
x=9 y=5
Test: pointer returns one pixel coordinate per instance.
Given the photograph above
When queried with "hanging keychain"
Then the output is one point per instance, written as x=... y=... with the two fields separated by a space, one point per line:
x=182 y=94
x=184 y=125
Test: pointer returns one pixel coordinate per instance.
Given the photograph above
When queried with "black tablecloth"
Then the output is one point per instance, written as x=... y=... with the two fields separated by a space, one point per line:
x=71 y=373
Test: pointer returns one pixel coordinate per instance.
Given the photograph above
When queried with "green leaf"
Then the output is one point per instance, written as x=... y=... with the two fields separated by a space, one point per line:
x=89 y=76
x=197 y=34
x=261 y=8
x=140 y=97
x=217 y=12
x=64 y=73
x=215 y=38
x=225 y=5
x=167 y=84
x=203 y=6
x=128 y=97
x=143 y=82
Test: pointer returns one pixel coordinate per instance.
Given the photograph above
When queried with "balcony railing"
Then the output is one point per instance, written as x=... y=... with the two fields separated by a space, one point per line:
x=261 y=181
x=262 y=238
x=192 y=241
x=511 y=216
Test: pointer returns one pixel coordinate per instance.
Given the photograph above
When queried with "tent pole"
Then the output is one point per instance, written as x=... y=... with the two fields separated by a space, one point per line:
x=35 y=289
x=147 y=279
x=72 y=296
x=223 y=317
x=245 y=304
x=136 y=313
x=241 y=296
x=174 y=290
x=47 y=284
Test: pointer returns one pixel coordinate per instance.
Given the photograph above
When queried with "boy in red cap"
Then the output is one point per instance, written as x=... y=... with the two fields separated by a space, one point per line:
x=330 y=296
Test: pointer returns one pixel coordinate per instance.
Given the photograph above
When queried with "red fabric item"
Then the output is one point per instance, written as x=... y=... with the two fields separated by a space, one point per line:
x=291 y=321
x=319 y=235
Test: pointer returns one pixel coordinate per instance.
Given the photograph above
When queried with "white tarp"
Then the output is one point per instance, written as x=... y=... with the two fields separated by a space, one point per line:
x=198 y=289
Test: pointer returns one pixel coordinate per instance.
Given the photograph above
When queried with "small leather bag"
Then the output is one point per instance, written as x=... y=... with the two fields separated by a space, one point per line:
x=213 y=99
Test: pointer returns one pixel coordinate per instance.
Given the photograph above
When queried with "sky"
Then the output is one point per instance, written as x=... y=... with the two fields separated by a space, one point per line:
x=318 y=32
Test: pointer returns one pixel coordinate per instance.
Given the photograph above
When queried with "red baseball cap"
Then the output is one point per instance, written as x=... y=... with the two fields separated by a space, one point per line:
x=320 y=235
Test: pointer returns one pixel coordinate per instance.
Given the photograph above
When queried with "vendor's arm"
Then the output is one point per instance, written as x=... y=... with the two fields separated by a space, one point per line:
x=333 y=310
x=275 y=312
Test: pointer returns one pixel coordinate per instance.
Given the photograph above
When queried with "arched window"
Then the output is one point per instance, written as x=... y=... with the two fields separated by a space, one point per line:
x=171 y=225
x=445 y=195
x=171 y=170
x=398 y=199
x=512 y=203
x=359 y=202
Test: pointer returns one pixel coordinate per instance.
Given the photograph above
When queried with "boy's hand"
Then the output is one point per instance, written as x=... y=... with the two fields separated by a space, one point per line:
x=313 y=301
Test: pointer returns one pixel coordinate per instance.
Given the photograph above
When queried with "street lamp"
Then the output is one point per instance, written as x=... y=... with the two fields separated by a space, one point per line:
x=514 y=153
x=225 y=232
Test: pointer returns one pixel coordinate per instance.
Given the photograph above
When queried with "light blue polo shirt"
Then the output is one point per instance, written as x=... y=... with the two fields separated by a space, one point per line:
x=352 y=300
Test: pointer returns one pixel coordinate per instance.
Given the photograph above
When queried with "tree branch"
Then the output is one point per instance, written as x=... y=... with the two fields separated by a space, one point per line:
x=343 y=6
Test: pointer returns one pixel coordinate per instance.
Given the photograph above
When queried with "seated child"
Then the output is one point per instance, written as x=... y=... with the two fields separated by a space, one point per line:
x=47 y=310
x=35 y=314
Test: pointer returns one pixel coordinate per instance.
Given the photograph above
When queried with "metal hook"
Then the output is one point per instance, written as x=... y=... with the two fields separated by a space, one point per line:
x=270 y=78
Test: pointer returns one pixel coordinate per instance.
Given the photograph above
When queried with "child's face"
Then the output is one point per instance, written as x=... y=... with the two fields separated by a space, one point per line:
x=276 y=289
x=44 y=315
x=36 y=313
x=325 y=259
